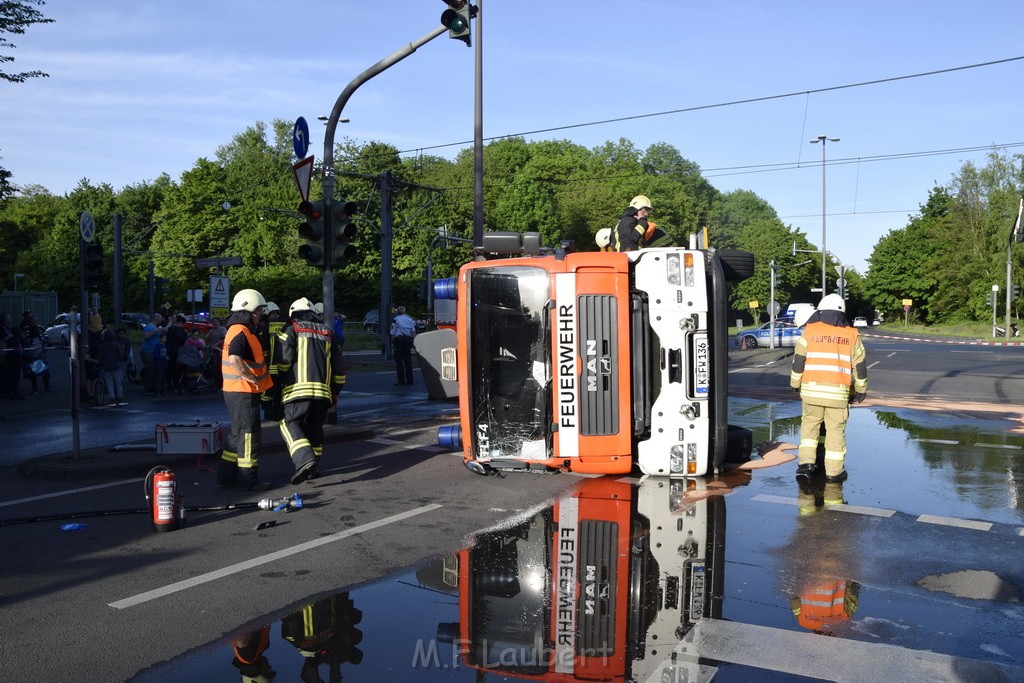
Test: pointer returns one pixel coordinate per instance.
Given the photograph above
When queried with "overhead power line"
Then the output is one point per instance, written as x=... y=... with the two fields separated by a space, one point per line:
x=731 y=103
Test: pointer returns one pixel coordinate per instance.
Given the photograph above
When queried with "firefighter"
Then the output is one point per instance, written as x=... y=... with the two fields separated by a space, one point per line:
x=632 y=227
x=603 y=238
x=246 y=376
x=829 y=371
x=249 y=659
x=270 y=327
x=312 y=376
x=824 y=601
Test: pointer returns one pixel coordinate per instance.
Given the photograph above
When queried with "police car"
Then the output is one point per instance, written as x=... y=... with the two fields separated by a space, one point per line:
x=786 y=334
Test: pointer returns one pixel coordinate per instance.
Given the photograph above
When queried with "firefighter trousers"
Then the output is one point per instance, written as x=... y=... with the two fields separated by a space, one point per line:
x=303 y=430
x=240 y=460
x=834 y=419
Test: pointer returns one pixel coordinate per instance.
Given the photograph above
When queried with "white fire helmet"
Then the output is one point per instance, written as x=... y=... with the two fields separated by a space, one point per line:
x=832 y=302
x=247 y=300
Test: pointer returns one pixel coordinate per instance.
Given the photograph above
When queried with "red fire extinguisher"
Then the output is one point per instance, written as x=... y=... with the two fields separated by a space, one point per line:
x=166 y=507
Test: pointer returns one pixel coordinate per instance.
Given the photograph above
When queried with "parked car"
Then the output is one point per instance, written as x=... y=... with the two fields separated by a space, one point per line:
x=786 y=334
x=860 y=321
x=59 y=331
x=199 y=321
x=134 y=321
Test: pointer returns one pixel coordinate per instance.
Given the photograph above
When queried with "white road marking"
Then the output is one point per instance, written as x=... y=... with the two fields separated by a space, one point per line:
x=942 y=441
x=954 y=521
x=265 y=559
x=385 y=442
x=997 y=445
x=72 y=491
x=861 y=510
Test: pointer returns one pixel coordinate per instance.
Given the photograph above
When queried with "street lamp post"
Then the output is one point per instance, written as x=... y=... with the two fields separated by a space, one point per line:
x=823 y=139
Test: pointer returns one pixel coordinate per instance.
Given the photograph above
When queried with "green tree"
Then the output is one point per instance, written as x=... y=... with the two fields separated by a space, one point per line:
x=15 y=17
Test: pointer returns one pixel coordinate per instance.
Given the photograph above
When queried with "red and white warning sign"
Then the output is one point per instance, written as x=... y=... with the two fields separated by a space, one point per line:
x=303 y=173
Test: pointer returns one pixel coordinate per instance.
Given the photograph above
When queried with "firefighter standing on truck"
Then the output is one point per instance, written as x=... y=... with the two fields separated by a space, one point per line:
x=632 y=227
x=829 y=367
x=246 y=376
x=270 y=327
x=312 y=376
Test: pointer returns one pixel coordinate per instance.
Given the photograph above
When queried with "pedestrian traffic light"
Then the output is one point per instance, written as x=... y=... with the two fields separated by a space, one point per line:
x=348 y=635
x=312 y=230
x=456 y=20
x=343 y=230
x=92 y=264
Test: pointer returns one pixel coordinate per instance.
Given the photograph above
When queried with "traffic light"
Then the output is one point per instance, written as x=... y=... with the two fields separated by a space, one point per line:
x=343 y=230
x=1015 y=293
x=348 y=635
x=161 y=290
x=991 y=300
x=93 y=264
x=456 y=20
x=312 y=229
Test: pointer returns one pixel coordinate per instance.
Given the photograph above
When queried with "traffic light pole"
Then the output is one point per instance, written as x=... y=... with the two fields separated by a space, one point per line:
x=328 y=165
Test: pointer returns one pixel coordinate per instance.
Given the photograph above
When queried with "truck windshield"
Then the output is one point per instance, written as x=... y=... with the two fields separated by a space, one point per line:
x=510 y=361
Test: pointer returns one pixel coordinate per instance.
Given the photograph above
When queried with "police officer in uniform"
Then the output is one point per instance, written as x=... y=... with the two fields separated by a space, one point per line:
x=312 y=376
x=246 y=376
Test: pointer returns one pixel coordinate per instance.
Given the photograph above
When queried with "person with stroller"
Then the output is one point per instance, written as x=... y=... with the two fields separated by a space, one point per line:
x=189 y=364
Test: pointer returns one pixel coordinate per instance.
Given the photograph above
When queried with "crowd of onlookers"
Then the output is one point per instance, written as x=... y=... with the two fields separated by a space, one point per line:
x=167 y=360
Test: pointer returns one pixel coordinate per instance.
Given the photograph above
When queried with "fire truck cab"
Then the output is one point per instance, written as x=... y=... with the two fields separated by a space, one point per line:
x=591 y=362
x=602 y=585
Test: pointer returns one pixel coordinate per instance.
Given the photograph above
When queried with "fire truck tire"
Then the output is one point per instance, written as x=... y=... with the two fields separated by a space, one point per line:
x=738 y=265
x=741 y=444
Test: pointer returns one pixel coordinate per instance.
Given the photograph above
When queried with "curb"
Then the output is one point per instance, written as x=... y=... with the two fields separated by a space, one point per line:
x=934 y=340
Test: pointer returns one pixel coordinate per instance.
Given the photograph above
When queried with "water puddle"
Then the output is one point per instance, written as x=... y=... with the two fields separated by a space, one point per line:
x=627 y=580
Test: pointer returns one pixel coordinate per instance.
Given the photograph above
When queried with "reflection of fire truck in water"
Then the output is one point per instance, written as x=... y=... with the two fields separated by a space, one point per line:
x=601 y=586
x=591 y=362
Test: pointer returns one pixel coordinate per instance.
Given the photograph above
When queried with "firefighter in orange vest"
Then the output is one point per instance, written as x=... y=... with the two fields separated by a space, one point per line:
x=249 y=658
x=246 y=376
x=829 y=371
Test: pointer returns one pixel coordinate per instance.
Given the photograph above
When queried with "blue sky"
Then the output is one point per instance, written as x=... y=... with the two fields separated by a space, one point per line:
x=141 y=88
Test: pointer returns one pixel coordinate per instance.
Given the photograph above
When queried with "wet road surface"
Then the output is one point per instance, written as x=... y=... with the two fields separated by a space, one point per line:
x=911 y=569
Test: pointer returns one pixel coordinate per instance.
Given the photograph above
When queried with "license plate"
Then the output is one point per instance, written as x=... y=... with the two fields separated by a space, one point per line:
x=701 y=366
x=697 y=578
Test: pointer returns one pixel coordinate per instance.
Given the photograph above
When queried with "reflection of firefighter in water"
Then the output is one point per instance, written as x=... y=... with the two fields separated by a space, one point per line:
x=825 y=599
x=602 y=585
x=325 y=632
x=249 y=660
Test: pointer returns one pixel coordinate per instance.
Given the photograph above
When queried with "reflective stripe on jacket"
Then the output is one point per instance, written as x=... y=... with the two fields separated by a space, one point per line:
x=828 y=362
x=257 y=366
x=312 y=366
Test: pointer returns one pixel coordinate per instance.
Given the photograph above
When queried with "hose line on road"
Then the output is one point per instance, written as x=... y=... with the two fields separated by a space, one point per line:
x=126 y=511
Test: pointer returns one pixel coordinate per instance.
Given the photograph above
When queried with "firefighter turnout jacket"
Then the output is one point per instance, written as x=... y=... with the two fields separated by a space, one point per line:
x=829 y=364
x=311 y=362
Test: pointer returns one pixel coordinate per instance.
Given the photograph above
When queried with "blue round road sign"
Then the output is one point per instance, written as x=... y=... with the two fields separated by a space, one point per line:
x=300 y=138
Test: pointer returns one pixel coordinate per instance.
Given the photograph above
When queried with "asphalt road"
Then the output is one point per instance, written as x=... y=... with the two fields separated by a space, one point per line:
x=930 y=513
